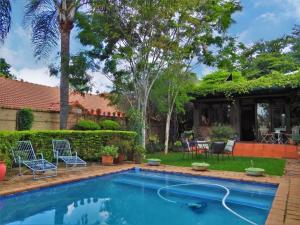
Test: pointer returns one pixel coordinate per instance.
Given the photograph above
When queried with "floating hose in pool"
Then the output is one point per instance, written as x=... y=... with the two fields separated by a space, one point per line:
x=223 y=200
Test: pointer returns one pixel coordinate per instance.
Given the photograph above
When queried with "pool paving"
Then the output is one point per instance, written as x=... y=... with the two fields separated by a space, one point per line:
x=285 y=208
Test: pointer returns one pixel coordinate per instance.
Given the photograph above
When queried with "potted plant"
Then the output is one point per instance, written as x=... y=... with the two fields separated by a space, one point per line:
x=153 y=162
x=2 y=166
x=108 y=154
x=200 y=166
x=254 y=171
x=139 y=153
x=124 y=147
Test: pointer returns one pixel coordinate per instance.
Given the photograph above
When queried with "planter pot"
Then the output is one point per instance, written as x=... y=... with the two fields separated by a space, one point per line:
x=2 y=170
x=200 y=166
x=251 y=171
x=153 y=162
x=107 y=160
x=121 y=158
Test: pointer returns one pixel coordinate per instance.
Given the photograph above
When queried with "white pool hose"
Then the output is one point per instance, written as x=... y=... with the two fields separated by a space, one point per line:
x=223 y=200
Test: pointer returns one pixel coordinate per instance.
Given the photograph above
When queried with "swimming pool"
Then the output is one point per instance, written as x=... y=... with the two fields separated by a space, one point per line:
x=139 y=197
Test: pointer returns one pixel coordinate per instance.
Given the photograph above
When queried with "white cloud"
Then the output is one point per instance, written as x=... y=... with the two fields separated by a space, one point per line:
x=36 y=75
x=268 y=17
x=100 y=82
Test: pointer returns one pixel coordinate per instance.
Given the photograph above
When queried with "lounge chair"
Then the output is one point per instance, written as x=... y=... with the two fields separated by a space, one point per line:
x=62 y=150
x=228 y=150
x=23 y=153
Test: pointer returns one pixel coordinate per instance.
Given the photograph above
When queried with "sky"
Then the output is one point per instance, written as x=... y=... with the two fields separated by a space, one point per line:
x=259 y=20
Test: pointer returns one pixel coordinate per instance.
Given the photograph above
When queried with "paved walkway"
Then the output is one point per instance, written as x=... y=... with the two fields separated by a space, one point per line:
x=285 y=209
x=292 y=213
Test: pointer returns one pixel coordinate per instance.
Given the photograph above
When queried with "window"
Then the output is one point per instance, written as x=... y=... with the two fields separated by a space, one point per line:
x=279 y=117
x=263 y=116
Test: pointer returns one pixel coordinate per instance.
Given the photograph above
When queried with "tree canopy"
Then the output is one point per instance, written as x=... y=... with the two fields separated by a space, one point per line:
x=5 y=69
x=263 y=57
x=137 y=39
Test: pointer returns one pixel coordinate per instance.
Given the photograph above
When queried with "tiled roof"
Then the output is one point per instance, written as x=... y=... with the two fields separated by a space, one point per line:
x=19 y=94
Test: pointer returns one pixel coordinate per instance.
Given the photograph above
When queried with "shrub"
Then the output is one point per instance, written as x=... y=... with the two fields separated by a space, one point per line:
x=109 y=125
x=139 y=153
x=87 y=125
x=24 y=119
x=178 y=144
x=154 y=138
x=86 y=143
x=6 y=159
x=124 y=146
x=110 y=150
x=222 y=133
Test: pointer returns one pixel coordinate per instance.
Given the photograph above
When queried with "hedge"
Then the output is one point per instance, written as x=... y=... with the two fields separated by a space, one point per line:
x=86 y=143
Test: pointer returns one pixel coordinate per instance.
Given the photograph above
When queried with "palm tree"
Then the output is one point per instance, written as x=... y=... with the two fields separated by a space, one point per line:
x=51 y=21
x=5 y=19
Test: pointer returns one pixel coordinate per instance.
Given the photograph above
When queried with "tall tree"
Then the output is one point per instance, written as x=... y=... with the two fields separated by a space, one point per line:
x=5 y=69
x=263 y=57
x=5 y=19
x=51 y=21
x=170 y=92
x=137 y=39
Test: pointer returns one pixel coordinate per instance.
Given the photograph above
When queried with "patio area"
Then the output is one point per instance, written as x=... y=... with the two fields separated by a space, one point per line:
x=285 y=209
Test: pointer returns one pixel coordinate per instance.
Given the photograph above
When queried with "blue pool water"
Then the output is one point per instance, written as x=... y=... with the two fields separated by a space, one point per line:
x=130 y=198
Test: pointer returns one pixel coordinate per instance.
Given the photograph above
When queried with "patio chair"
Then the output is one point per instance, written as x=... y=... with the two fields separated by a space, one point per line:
x=62 y=150
x=217 y=148
x=23 y=153
x=228 y=150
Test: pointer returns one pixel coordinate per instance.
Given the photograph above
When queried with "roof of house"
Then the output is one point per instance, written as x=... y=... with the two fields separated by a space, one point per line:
x=19 y=94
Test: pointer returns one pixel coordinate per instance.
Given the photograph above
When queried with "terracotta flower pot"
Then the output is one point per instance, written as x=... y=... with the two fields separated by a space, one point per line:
x=107 y=160
x=2 y=170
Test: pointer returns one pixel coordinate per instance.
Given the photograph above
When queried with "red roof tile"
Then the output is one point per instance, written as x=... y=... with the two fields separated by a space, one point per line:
x=19 y=94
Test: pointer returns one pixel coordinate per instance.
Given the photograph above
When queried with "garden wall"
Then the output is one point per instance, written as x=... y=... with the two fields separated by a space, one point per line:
x=47 y=120
x=266 y=150
x=86 y=143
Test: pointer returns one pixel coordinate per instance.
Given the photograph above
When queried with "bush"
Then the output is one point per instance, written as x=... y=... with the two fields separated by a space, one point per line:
x=124 y=146
x=6 y=159
x=87 y=125
x=24 y=119
x=109 y=125
x=86 y=143
x=222 y=133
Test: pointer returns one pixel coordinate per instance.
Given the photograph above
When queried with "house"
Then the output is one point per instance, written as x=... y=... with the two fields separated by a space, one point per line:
x=249 y=113
x=44 y=101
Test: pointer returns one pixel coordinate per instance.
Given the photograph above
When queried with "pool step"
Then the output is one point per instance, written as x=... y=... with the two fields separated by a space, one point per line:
x=217 y=196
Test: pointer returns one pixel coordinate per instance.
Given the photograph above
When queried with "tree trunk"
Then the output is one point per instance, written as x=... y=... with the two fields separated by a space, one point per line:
x=144 y=118
x=167 y=134
x=64 y=78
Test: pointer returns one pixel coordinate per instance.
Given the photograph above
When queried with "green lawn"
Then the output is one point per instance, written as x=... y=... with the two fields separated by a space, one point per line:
x=271 y=166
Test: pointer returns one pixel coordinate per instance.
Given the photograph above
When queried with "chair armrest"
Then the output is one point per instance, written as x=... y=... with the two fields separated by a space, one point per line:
x=55 y=154
x=41 y=154
x=74 y=153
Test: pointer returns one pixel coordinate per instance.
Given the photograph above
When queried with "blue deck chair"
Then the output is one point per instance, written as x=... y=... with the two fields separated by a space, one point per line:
x=23 y=153
x=62 y=150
